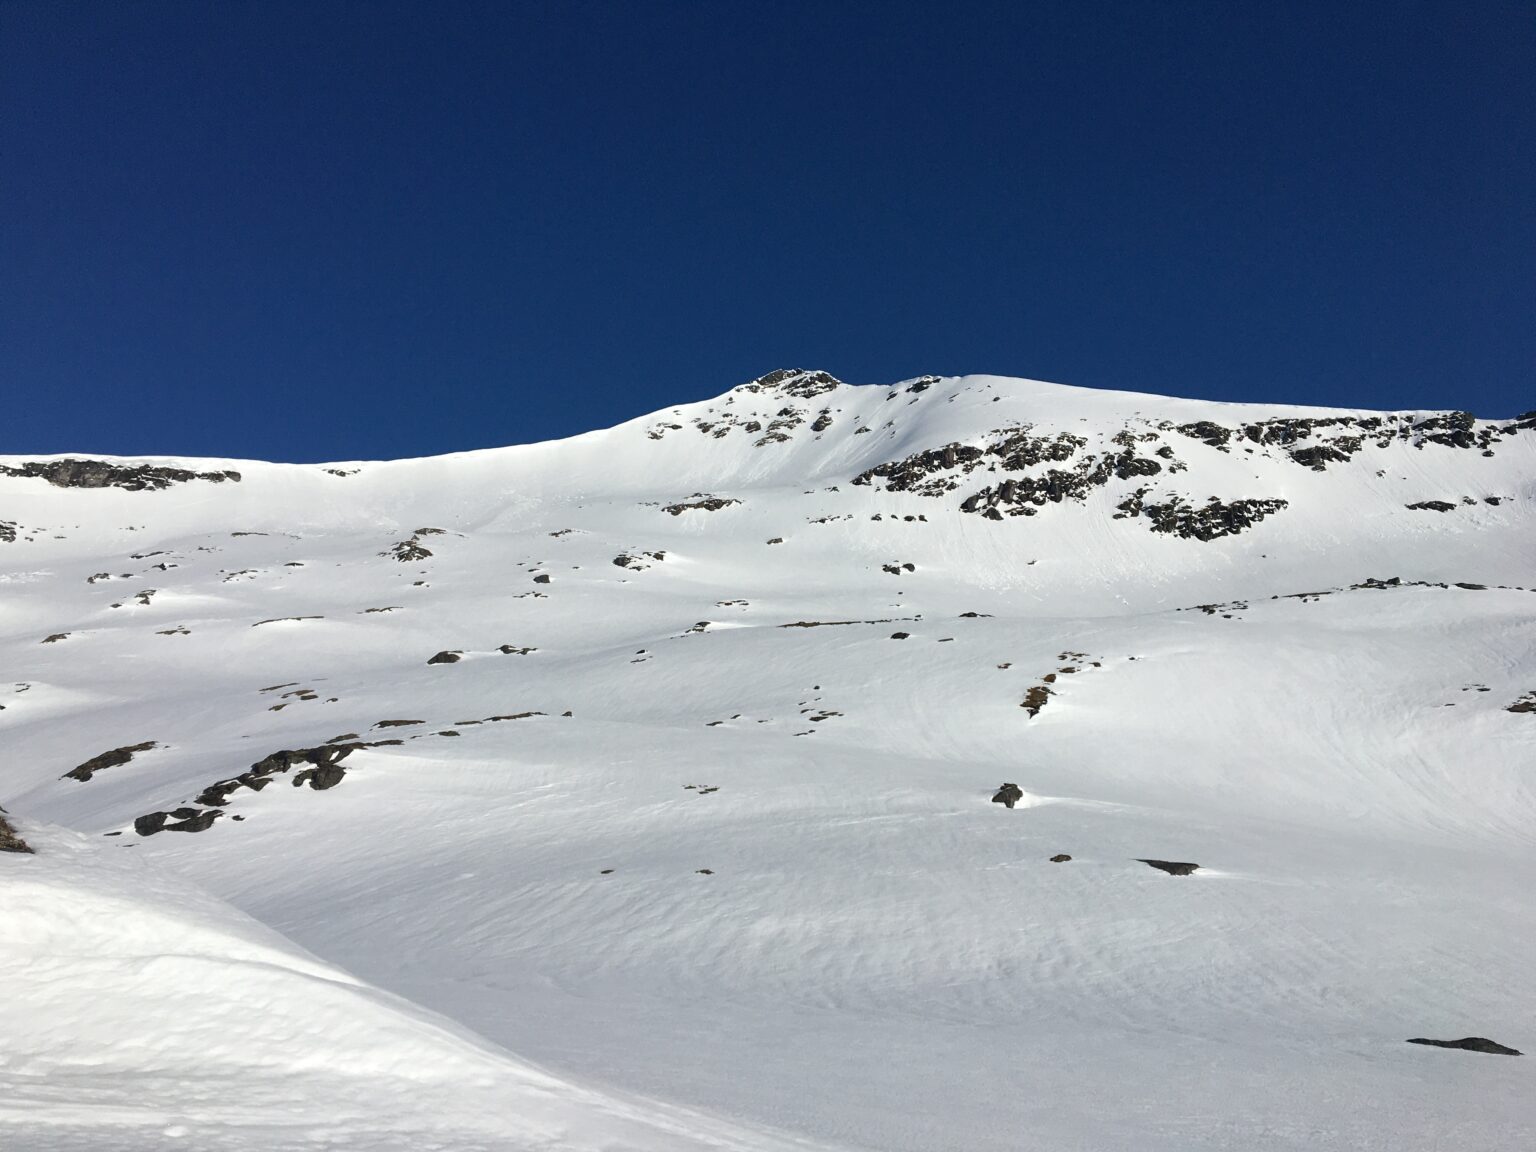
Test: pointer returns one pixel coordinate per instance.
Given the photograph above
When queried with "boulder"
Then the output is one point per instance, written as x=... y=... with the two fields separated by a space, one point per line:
x=1008 y=795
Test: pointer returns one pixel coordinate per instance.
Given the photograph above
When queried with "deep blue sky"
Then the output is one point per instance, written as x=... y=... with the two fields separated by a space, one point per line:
x=309 y=231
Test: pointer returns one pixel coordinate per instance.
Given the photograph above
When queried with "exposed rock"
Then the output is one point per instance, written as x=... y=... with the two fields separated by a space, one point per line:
x=1319 y=456
x=398 y=723
x=1172 y=867
x=1035 y=699
x=177 y=820
x=900 y=635
x=1060 y=858
x=636 y=563
x=1207 y=432
x=320 y=778
x=1176 y=516
x=321 y=770
x=514 y=650
x=793 y=382
x=446 y=657
x=103 y=474
x=10 y=840
x=7 y=532
x=704 y=503
x=408 y=551
x=106 y=760
x=284 y=620
x=1008 y=795
x=1432 y=506
x=55 y=638
x=542 y=578
x=1526 y=703
x=1469 y=1044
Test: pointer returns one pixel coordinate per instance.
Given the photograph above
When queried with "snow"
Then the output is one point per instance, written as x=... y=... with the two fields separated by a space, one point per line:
x=431 y=954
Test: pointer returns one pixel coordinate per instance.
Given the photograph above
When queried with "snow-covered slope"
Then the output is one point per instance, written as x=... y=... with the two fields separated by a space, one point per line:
x=690 y=826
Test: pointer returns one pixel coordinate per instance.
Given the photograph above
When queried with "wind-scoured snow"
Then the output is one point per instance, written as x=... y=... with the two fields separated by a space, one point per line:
x=688 y=839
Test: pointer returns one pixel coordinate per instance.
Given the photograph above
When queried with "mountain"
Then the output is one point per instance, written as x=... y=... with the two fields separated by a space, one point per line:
x=636 y=790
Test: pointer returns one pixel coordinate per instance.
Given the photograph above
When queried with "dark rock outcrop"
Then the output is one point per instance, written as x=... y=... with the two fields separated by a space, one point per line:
x=1008 y=795
x=1060 y=858
x=177 y=820
x=793 y=382
x=1469 y=1044
x=320 y=778
x=408 y=551
x=1431 y=506
x=637 y=563
x=705 y=503
x=1175 y=515
x=104 y=474
x=320 y=768
x=446 y=657
x=1172 y=867
x=110 y=759
x=10 y=841
x=1035 y=699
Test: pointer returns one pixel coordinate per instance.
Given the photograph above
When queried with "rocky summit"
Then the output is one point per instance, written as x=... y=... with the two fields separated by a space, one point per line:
x=575 y=795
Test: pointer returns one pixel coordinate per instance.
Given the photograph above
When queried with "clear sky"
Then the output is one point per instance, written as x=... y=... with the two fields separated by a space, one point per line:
x=307 y=231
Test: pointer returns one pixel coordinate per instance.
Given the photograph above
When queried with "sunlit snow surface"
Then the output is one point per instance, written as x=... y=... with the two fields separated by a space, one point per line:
x=433 y=953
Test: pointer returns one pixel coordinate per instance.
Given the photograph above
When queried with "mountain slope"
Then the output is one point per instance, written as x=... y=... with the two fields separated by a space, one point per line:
x=700 y=812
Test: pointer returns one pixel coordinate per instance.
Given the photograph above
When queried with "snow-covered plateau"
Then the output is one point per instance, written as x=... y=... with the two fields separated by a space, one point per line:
x=635 y=791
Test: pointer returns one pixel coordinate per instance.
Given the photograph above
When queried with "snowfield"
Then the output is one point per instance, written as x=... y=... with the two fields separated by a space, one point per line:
x=685 y=840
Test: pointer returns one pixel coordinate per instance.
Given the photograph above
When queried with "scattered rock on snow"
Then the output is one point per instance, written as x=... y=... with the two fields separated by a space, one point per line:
x=446 y=657
x=1060 y=858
